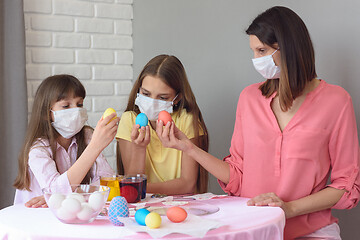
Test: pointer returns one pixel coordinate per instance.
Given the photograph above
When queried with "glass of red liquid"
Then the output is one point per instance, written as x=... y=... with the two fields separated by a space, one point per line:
x=131 y=188
x=144 y=182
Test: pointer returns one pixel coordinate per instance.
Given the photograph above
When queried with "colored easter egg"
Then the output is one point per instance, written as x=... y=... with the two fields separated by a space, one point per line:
x=141 y=119
x=108 y=112
x=118 y=208
x=165 y=117
x=140 y=216
x=130 y=193
x=153 y=220
x=176 y=214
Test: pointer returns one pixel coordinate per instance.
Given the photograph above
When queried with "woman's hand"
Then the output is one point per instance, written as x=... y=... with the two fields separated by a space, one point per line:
x=272 y=200
x=37 y=202
x=140 y=136
x=172 y=137
x=104 y=132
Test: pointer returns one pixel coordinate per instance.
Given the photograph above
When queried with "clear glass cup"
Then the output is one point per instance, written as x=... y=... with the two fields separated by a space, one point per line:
x=143 y=187
x=131 y=187
x=112 y=181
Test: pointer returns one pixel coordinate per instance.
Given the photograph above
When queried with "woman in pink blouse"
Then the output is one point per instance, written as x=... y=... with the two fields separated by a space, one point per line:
x=292 y=133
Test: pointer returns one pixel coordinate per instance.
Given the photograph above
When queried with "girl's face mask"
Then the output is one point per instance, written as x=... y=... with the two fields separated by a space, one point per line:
x=69 y=122
x=152 y=107
x=266 y=66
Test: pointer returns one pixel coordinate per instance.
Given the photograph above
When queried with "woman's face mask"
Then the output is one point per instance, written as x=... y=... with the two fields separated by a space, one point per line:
x=266 y=66
x=152 y=107
x=69 y=122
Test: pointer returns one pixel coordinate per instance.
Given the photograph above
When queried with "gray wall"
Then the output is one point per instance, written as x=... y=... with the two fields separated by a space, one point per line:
x=208 y=37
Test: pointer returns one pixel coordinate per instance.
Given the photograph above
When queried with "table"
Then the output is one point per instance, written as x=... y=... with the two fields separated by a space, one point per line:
x=240 y=222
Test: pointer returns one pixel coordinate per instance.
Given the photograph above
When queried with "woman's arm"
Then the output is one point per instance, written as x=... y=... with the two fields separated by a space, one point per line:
x=172 y=137
x=321 y=200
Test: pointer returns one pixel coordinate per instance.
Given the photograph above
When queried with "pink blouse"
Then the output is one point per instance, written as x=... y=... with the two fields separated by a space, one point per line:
x=320 y=139
x=44 y=171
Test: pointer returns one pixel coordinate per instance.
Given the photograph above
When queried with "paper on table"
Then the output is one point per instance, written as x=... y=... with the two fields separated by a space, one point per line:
x=206 y=196
x=193 y=225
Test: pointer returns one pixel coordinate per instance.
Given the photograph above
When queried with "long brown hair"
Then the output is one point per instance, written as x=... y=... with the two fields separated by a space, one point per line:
x=171 y=71
x=283 y=26
x=50 y=91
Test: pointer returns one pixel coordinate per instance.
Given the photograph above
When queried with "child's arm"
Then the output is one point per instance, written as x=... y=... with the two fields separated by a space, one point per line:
x=103 y=134
x=183 y=185
x=133 y=154
x=36 y=202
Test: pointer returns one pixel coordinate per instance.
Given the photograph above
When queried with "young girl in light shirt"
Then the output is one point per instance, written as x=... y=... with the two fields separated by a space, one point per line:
x=162 y=85
x=59 y=149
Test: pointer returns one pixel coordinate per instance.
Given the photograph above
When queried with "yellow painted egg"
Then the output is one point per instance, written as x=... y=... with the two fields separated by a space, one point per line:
x=108 y=112
x=153 y=220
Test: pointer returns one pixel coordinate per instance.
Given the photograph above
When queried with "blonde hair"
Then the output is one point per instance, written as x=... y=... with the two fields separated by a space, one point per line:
x=171 y=71
x=50 y=91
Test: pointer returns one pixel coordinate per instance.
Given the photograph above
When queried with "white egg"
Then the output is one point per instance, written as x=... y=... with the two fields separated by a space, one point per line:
x=85 y=213
x=96 y=201
x=85 y=204
x=63 y=214
x=77 y=196
x=55 y=200
x=71 y=205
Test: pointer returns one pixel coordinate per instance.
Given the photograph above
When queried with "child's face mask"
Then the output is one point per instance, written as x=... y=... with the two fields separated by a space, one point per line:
x=152 y=107
x=69 y=122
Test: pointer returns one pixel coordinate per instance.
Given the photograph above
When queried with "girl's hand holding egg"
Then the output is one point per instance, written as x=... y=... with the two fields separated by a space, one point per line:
x=140 y=134
x=105 y=130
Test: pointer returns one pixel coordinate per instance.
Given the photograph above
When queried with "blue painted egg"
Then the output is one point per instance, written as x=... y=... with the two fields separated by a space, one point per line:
x=140 y=216
x=118 y=208
x=141 y=119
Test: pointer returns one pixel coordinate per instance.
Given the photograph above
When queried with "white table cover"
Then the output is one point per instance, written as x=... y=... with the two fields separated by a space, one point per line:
x=237 y=221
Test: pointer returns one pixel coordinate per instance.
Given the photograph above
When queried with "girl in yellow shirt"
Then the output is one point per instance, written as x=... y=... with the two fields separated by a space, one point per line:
x=162 y=85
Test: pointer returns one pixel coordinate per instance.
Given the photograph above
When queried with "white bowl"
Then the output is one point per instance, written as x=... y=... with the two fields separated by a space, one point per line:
x=76 y=203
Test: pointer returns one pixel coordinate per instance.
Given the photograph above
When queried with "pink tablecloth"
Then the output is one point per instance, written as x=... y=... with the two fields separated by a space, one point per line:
x=239 y=222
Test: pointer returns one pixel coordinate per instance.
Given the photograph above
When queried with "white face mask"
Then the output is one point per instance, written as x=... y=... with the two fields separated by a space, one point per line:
x=69 y=122
x=266 y=66
x=152 y=107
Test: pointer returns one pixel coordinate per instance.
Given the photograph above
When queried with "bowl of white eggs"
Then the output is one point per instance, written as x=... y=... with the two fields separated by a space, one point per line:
x=76 y=203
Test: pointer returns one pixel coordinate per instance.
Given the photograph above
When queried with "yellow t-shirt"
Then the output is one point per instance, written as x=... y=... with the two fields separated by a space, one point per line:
x=162 y=164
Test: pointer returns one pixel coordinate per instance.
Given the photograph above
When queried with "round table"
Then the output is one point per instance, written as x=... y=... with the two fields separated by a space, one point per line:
x=238 y=220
